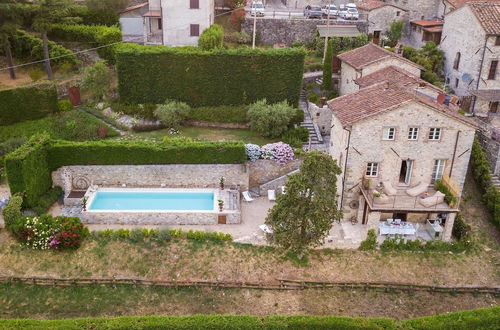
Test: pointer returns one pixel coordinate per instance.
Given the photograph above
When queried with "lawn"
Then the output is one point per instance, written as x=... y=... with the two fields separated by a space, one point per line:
x=26 y=301
x=73 y=125
x=208 y=134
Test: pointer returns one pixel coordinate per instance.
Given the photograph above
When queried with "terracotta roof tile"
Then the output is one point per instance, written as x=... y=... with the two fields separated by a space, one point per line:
x=371 y=4
x=383 y=97
x=426 y=23
x=488 y=14
x=395 y=75
x=368 y=54
x=460 y=3
x=134 y=7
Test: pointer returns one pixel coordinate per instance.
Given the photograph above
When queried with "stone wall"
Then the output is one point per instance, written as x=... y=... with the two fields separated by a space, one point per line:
x=173 y=176
x=491 y=149
x=263 y=171
x=273 y=31
x=321 y=116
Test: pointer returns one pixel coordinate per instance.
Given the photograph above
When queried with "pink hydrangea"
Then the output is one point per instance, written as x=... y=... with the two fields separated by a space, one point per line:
x=279 y=151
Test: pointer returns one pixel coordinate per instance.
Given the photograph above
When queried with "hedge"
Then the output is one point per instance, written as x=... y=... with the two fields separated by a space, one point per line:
x=482 y=176
x=152 y=74
x=29 y=167
x=27 y=46
x=94 y=35
x=27 y=103
x=482 y=319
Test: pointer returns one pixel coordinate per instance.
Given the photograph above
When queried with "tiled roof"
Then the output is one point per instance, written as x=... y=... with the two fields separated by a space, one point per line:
x=488 y=14
x=394 y=75
x=383 y=97
x=460 y=3
x=368 y=54
x=134 y=7
x=371 y=4
x=492 y=95
x=425 y=23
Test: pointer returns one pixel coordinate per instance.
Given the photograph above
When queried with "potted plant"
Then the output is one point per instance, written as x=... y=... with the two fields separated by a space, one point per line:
x=221 y=182
x=377 y=194
x=84 y=203
x=221 y=205
x=367 y=183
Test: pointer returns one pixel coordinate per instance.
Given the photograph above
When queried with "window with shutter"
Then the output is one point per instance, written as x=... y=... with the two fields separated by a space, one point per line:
x=194 y=4
x=457 y=61
x=494 y=107
x=497 y=41
x=493 y=70
x=195 y=30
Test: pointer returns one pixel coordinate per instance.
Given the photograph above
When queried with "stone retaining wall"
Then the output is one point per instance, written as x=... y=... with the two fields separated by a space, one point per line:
x=173 y=176
x=215 y=124
x=263 y=171
x=491 y=149
x=273 y=31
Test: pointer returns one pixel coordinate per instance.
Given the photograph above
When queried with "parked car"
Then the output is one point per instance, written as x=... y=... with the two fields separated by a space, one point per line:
x=332 y=9
x=351 y=5
x=342 y=12
x=257 y=9
x=352 y=13
x=313 y=11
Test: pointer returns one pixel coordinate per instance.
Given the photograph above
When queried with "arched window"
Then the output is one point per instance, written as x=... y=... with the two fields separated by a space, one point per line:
x=457 y=61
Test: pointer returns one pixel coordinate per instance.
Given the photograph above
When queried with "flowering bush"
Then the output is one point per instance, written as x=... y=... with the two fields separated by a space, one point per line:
x=48 y=232
x=253 y=151
x=279 y=151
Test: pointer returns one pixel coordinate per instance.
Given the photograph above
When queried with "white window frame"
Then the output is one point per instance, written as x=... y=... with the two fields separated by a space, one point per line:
x=413 y=132
x=432 y=133
x=438 y=169
x=386 y=133
x=371 y=170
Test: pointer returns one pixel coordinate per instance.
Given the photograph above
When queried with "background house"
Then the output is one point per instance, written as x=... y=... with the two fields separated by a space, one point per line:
x=419 y=32
x=380 y=15
x=367 y=59
x=167 y=22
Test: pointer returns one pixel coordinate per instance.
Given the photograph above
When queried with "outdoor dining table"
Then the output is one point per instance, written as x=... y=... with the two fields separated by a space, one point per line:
x=404 y=228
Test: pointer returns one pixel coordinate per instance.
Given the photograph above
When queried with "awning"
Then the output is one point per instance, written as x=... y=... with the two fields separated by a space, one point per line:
x=153 y=13
x=491 y=95
x=437 y=29
x=338 y=31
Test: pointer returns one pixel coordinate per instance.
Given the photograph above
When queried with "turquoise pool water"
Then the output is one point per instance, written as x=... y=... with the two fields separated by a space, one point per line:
x=141 y=201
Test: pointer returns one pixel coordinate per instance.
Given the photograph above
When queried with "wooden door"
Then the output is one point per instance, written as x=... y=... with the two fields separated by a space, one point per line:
x=376 y=37
x=222 y=220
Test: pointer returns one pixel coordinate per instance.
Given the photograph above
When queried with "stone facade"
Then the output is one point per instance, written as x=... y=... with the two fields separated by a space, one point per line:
x=321 y=116
x=349 y=74
x=422 y=9
x=367 y=145
x=380 y=19
x=492 y=150
x=173 y=176
x=263 y=171
x=272 y=31
x=476 y=52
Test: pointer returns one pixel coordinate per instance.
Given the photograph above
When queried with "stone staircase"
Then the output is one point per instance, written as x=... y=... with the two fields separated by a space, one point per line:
x=308 y=123
x=495 y=179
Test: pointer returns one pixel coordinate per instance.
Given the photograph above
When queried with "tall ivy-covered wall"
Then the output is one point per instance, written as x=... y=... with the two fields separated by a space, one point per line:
x=152 y=74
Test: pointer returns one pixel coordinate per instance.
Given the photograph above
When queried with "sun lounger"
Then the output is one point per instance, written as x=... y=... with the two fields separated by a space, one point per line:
x=246 y=196
x=266 y=229
x=389 y=190
x=434 y=200
x=271 y=195
x=283 y=190
x=418 y=189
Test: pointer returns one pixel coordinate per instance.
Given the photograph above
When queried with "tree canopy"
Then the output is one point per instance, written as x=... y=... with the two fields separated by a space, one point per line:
x=303 y=216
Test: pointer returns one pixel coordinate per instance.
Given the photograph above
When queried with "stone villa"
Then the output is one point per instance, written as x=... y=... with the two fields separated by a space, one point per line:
x=380 y=15
x=393 y=143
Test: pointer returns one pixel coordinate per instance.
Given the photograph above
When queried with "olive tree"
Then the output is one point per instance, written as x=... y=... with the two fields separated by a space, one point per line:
x=303 y=216
x=97 y=80
x=172 y=113
x=270 y=120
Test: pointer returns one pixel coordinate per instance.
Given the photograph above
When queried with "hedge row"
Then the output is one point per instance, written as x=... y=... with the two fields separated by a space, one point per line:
x=152 y=74
x=27 y=103
x=94 y=35
x=29 y=167
x=485 y=319
x=27 y=46
x=481 y=171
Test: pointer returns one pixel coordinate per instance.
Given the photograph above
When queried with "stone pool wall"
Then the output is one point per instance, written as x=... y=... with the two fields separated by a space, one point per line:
x=172 y=176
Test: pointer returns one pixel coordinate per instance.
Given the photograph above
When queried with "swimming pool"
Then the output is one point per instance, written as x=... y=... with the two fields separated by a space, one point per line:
x=152 y=200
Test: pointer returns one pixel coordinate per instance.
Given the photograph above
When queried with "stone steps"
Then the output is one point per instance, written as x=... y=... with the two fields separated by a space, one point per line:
x=308 y=123
x=495 y=179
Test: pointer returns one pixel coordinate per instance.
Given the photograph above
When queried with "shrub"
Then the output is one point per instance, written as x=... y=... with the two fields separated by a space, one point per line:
x=48 y=232
x=328 y=67
x=172 y=114
x=370 y=243
x=146 y=111
x=279 y=151
x=298 y=133
x=313 y=98
x=11 y=145
x=136 y=235
x=212 y=38
x=27 y=103
x=64 y=105
x=449 y=198
x=152 y=74
x=298 y=117
x=28 y=47
x=93 y=35
x=36 y=73
x=240 y=37
x=97 y=80
x=76 y=125
x=161 y=236
x=460 y=228
x=399 y=244
x=12 y=211
x=47 y=200
x=253 y=152
x=270 y=120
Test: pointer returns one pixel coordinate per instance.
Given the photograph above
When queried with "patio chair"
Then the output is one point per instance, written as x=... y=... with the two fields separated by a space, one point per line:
x=271 y=195
x=389 y=189
x=433 y=200
x=417 y=190
x=246 y=196
x=266 y=229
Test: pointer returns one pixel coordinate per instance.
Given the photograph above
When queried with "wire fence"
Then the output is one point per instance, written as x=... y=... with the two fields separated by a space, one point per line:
x=279 y=284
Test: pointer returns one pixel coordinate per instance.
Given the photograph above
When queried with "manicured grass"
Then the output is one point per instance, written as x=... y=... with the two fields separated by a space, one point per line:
x=221 y=114
x=73 y=125
x=208 y=134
